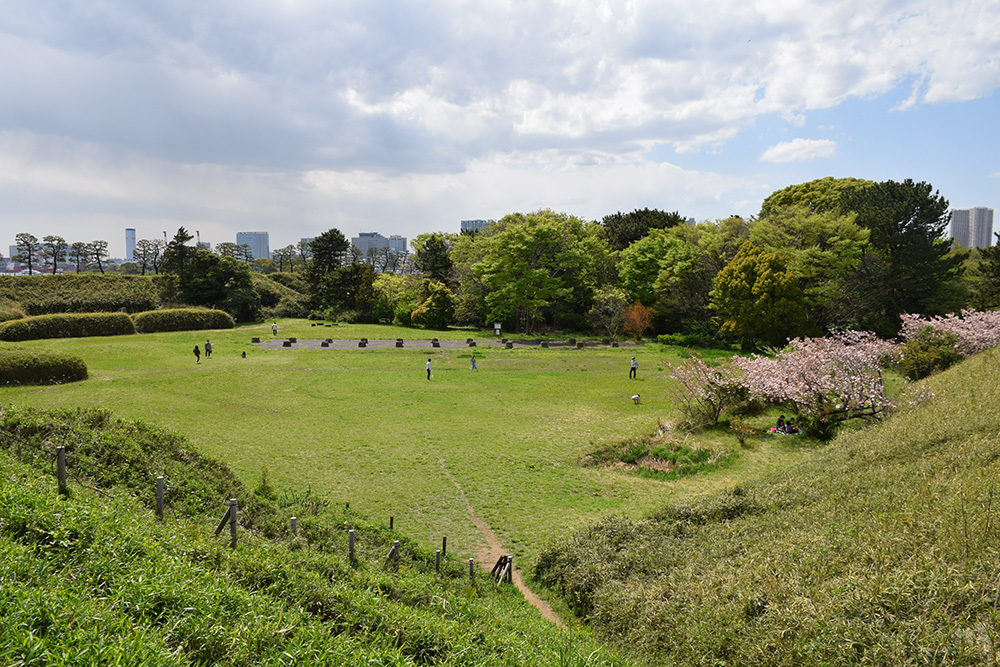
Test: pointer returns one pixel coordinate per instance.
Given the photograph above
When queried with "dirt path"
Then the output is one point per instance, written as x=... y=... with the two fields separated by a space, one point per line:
x=494 y=550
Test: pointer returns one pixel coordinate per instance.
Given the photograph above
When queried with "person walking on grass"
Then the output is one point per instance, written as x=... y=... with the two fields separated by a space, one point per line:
x=633 y=367
x=472 y=363
x=197 y=355
x=274 y=329
x=208 y=349
x=428 y=368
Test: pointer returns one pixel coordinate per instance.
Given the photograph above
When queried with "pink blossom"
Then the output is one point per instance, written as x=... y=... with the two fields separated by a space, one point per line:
x=833 y=378
x=704 y=390
x=975 y=330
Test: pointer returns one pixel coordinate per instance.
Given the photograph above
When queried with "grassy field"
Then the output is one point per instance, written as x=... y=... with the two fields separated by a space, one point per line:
x=366 y=427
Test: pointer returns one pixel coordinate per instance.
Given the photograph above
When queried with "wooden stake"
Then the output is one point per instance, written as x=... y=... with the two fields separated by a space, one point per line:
x=159 y=497
x=61 y=469
x=233 y=511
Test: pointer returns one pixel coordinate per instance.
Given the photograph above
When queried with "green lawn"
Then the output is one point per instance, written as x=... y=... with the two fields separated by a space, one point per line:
x=365 y=426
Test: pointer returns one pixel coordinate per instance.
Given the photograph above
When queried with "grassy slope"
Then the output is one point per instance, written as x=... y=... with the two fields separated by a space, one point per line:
x=882 y=549
x=93 y=579
x=367 y=427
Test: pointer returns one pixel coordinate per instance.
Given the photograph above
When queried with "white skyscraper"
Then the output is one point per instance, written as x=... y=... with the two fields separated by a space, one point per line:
x=129 y=244
x=972 y=227
x=958 y=229
x=257 y=241
x=982 y=226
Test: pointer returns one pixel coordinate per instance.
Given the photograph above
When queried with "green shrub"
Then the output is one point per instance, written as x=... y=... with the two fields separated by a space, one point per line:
x=79 y=293
x=402 y=316
x=70 y=325
x=8 y=314
x=297 y=307
x=290 y=280
x=929 y=352
x=19 y=367
x=693 y=338
x=278 y=300
x=271 y=291
x=182 y=319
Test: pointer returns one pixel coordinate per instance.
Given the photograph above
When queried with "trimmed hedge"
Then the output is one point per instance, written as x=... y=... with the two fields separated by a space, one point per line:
x=182 y=319
x=69 y=325
x=34 y=367
x=79 y=293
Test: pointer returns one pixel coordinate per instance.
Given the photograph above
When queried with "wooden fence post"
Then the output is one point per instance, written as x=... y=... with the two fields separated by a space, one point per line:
x=350 y=545
x=159 y=497
x=231 y=515
x=294 y=524
x=472 y=570
x=233 y=511
x=444 y=546
x=393 y=556
x=61 y=469
x=391 y=519
x=437 y=561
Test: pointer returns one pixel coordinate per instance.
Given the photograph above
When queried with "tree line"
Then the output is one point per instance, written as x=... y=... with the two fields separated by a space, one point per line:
x=825 y=255
x=820 y=256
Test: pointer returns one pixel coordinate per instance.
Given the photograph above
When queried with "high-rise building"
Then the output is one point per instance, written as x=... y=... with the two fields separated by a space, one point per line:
x=972 y=227
x=129 y=243
x=982 y=226
x=475 y=225
x=367 y=240
x=397 y=243
x=958 y=228
x=257 y=241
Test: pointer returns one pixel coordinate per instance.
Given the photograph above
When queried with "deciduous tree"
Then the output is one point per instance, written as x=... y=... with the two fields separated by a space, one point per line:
x=539 y=265
x=637 y=319
x=437 y=305
x=828 y=380
x=757 y=297
x=607 y=315
x=824 y=249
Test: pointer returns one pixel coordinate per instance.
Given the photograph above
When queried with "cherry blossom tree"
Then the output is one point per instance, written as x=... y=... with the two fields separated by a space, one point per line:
x=825 y=380
x=704 y=390
x=975 y=330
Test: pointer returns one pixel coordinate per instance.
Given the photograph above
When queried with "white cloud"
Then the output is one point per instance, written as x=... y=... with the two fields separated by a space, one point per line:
x=798 y=150
x=351 y=113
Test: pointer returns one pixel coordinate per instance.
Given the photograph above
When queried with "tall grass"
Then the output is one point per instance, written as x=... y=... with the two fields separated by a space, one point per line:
x=881 y=549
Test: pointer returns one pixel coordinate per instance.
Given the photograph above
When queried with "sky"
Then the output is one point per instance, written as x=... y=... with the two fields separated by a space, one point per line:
x=405 y=117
